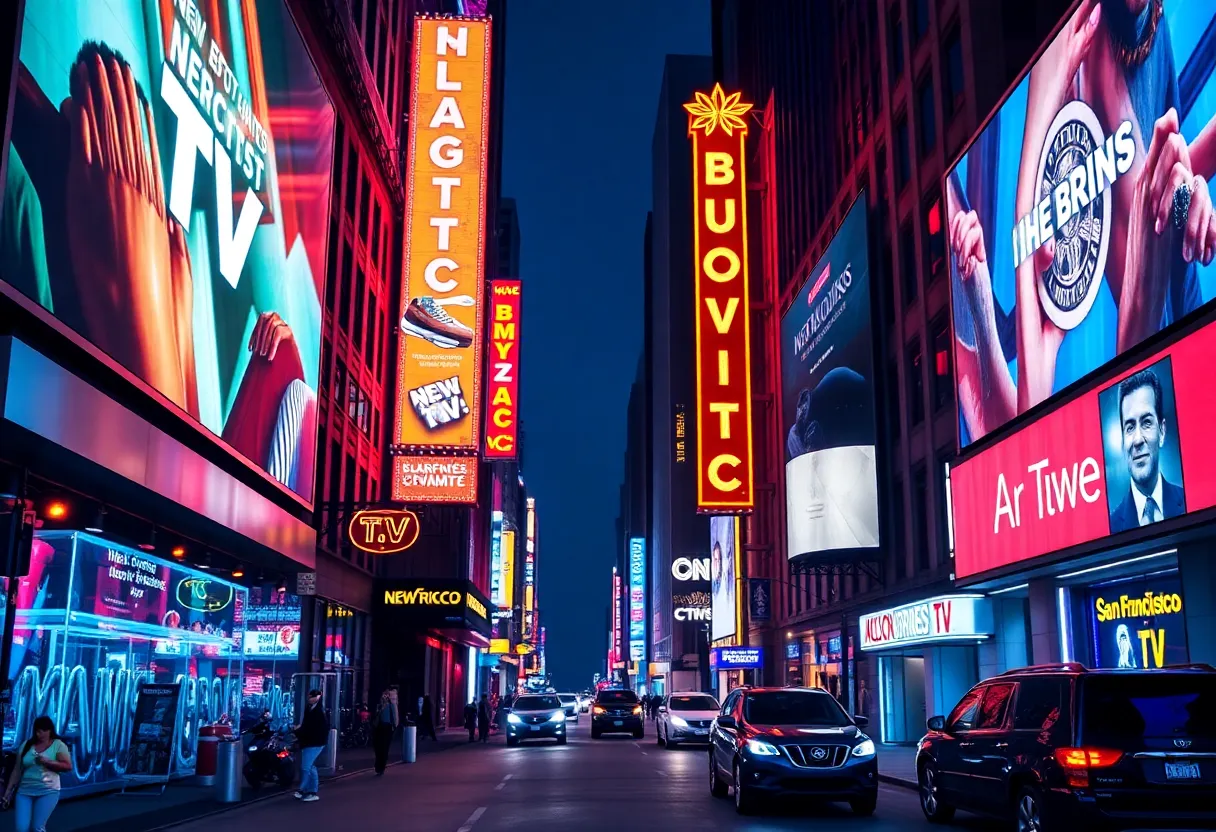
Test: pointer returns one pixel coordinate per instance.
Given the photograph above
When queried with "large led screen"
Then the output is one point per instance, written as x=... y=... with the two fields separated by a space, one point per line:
x=1080 y=221
x=827 y=400
x=722 y=562
x=167 y=198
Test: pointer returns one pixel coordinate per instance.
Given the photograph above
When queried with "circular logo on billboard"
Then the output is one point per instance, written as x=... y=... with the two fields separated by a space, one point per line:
x=1069 y=286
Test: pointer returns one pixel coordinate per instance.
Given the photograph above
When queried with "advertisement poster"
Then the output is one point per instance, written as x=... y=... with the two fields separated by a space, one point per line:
x=827 y=393
x=722 y=540
x=1139 y=624
x=508 y=569
x=502 y=386
x=153 y=730
x=1080 y=220
x=439 y=361
x=167 y=199
x=272 y=624
x=637 y=599
x=760 y=607
x=1125 y=454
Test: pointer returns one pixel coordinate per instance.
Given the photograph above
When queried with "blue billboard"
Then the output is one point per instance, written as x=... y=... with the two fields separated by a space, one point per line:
x=637 y=599
x=737 y=658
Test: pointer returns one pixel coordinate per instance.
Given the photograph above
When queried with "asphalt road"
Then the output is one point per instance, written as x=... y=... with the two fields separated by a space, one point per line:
x=609 y=784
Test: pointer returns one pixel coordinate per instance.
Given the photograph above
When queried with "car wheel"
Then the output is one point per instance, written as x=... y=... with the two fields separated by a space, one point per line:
x=561 y=740
x=745 y=802
x=934 y=809
x=639 y=733
x=864 y=806
x=1031 y=813
x=512 y=742
x=717 y=787
x=595 y=733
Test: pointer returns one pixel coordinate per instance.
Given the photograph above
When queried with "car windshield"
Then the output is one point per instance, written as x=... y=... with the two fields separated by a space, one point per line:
x=568 y=699
x=792 y=707
x=618 y=697
x=537 y=703
x=1124 y=710
x=692 y=703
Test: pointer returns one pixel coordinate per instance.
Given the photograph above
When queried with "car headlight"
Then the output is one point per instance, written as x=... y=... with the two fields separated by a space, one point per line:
x=252 y=748
x=637 y=709
x=560 y=716
x=597 y=709
x=865 y=748
x=514 y=720
x=762 y=749
x=679 y=722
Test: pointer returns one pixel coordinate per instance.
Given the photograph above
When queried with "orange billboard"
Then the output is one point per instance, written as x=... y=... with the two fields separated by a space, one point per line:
x=435 y=479
x=717 y=126
x=439 y=359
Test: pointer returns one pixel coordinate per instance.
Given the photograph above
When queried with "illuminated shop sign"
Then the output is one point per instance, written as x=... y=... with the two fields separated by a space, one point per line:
x=637 y=599
x=507 y=581
x=717 y=126
x=943 y=618
x=690 y=569
x=502 y=385
x=793 y=649
x=439 y=358
x=690 y=600
x=434 y=479
x=616 y=615
x=409 y=597
x=437 y=603
x=1109 y=461
x=736 y=658
x=496 y=557
x=383 y=531
x=529 y=628
x=1139 y=624
x=204 y=594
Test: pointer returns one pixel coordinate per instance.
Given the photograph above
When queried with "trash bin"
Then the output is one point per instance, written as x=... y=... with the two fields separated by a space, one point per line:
x=229 y=757
x=208 y=743
x=409 y=742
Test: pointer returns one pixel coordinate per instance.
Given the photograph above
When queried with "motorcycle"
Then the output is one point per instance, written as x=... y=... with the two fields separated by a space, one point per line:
x=269 y=758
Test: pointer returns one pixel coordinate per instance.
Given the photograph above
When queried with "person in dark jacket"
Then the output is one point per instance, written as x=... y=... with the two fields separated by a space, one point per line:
x=426 y=720
x=313 y=735
x=470 y=719
x=483 y=718
x=386 y=721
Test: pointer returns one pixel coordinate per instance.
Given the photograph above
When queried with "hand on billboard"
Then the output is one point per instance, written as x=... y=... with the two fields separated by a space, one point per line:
x=118 y=239
x=269 y=333
x=1039 y=338
x=1056 y=72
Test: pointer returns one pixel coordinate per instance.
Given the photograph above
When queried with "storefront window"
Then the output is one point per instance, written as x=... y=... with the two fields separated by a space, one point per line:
x=94 y=621
x=272 y=649
x=1138 y=622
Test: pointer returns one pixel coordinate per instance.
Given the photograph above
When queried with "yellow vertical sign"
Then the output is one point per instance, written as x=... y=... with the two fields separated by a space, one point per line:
x=507 y=586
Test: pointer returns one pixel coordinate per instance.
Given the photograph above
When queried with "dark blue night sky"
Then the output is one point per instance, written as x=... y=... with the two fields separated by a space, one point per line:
x=582 y=91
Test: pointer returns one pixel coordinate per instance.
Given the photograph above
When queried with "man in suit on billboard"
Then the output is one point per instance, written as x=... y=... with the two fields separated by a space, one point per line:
x=1151 y=497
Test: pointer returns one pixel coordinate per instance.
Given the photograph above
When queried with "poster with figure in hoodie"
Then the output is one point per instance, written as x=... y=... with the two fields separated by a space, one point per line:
x=827 y=400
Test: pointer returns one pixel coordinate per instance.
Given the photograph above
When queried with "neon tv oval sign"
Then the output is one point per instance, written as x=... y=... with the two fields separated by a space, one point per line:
x=383 y=531
x=203 y=594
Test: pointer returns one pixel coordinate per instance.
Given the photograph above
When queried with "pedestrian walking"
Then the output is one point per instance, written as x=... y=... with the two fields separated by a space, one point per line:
x=470 y=719
x=645 y=704
x=483 y=718
x=384 y=725
x=313 y=735
x=426 y=720
x=34 y=782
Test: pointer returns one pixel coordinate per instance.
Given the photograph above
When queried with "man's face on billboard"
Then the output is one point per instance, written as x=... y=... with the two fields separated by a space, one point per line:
x=1143 y=436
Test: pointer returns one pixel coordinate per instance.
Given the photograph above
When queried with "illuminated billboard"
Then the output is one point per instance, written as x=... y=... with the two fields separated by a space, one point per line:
x=718 y=128
x=507 y=600
x=1079 y=219
x=439 y=358
x=723 y=567
x=435 y=479
x=167 y=203
x=637 y=599
x=529 y=629
x=827 y=401
x=616 y=616
x=496 y=558
x=502 y=384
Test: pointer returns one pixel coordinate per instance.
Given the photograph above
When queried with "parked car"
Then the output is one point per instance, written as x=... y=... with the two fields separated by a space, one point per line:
x=685 y=717
x=1064 y=747
x=584 y=702
x=791 y=742
x=536 y=716
x=570 y=703
x=617 y=712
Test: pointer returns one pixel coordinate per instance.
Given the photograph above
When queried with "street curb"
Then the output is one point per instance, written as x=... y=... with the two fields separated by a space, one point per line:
x=902 y=782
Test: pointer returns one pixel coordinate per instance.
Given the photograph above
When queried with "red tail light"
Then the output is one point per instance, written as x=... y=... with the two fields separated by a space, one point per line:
x=1077 y=762
x=284 y=753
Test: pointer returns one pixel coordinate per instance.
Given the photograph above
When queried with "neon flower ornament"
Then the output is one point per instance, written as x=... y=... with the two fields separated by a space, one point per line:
x=717 y=109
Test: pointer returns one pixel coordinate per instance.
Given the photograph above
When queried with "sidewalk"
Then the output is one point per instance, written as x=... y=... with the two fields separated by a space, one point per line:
x=145 y=810
x=897 y=765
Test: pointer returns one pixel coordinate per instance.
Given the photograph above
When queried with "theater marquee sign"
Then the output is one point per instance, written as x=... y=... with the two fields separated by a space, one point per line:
x=718 y=128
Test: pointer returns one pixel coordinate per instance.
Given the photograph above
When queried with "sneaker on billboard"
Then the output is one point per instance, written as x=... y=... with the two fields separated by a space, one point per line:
x=311 y=798
x=424 y=318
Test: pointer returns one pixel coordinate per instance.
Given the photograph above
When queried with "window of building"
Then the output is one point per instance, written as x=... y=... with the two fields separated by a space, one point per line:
x=374 y=234
x=943 y=379
x=893 y=396
x=357 y=321
x=903 y=158
x=340 y=382
x=920 y=518
x=907 y=264
x=335 y=482
x=926 y=116
x=953 y=74
x=920 y=13
x=351 y=184
x=348 y=258
x=332 y=269
x=357 y=407
x=935 y=250
x=916 y=382
x=899 y=534
x=886 y=288
x=896 y=30
x=373 y=326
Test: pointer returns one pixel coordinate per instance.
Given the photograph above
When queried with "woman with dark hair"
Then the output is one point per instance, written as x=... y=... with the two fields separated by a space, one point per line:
x=35 y=778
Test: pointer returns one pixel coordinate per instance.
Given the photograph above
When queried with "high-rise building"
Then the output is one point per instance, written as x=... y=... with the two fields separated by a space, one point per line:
x=508 y=238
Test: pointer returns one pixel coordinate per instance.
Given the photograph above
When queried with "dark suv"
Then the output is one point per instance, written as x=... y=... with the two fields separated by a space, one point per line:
x=1063 y=747
x=791 y=742
x=617 y=712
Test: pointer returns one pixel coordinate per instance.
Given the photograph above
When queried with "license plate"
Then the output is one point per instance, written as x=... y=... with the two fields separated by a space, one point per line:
x=1182 y=771
x=700 y=730
x=535 y=727
x=618 y=723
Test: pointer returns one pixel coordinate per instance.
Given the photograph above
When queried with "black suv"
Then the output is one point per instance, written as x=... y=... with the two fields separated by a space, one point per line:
x=617 y=712
x=1063 y=747
x=791 y=742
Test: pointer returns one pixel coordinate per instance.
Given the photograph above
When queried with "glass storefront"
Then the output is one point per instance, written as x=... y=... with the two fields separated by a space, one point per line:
x=272 y=655
x=340 y=646
x=94 y=621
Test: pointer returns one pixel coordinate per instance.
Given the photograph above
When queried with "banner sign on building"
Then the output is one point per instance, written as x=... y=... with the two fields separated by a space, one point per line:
x=616 y=616
x=435 y=602
x=383 y=531
x=502 y=385
x=760 y=600
x=1056 y=268
x=941 y=619
x=827 y=401
x=691 y=599
x=496 y=558
x=507 y=598
x=439 y=359
x=529 y=629
x=173 y=214
x=435 y=479
x=736 y=658
x=717 y=125
x=637 y=599
x=1139 y=624
x=1088 y=468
